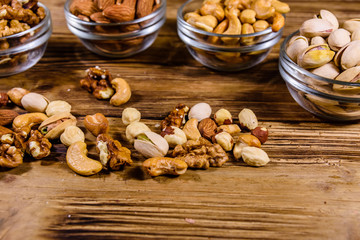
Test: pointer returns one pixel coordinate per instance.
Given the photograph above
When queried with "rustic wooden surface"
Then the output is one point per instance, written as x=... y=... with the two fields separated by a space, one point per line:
x=309 y=190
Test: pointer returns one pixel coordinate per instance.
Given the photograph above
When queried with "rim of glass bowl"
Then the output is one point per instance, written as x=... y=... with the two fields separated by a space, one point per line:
x=41 y=24
x=71 y=16
x=306 y=72
x=180 y=18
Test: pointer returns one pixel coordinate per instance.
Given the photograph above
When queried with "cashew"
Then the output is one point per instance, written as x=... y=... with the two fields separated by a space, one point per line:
x=164 y=165
x=191 y=129
x=123 y=92
x=220 y=28
x=72 y=134
x=191 y=17
x=16 y=94
x=263 y=9
x=212 y=8
x=248 y=16
x=260 y=25
x=96 y=124
x=278 y=22
x=134 y=129
x=234 y=26
x=77 y=160
x=28 y=120
x=280 y=7
x=206 y=23
x=130 y=115
x=247 y=29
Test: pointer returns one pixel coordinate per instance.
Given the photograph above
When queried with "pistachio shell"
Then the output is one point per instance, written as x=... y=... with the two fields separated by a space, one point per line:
x=349 y=75
x=328 y=70
x=330 y=17
x=355 y=35
x=156 y=147
x=34 y=102
x=338 y=38
x=350 y=56
x=317 y=40
x=315 y=56
x=352 y=25
x=296 y=46
x=316 y=27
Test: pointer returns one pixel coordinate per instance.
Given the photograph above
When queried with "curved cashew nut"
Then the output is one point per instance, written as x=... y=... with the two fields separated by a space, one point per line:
x=77 y=160
x=212 y=8
x=280 y=7
x=28 y=120
x=263 y=9
x=206 y=23
x=164 y=165
x=234 y=26
x=220 y=28
x=123 y=92
x=278 y=22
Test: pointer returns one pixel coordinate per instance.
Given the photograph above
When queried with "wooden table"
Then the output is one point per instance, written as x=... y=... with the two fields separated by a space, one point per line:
x=309 y=190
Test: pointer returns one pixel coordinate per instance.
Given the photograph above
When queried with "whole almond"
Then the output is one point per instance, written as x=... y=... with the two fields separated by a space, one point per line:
x=7 y=116
x=119 y=13
x=144 y=8
x=83 y=7
x=102 y=4
x=99 y=18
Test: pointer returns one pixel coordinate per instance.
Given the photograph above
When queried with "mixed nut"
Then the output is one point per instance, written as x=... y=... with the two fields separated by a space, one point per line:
x=16 y=17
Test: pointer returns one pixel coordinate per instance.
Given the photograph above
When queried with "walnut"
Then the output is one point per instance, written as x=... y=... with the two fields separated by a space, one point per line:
x=201 y=154
x=37 y=145
x=112 y=154
x=21 y=14
x=11 y=148
x=97 y=81
x=176 y=117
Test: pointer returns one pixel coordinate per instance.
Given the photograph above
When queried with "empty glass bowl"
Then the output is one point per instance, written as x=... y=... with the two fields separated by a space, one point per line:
x=117 y=40
x=26 y=48
x=324 y=97
x=248 y=50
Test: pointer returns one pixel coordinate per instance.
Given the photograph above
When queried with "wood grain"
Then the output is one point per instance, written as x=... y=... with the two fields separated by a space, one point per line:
x=309 y=190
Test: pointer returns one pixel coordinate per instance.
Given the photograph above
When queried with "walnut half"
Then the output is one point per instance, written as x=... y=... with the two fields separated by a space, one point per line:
x=37 y=145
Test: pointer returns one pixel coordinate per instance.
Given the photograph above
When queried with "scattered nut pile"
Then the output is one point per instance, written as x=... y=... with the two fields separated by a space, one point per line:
x=16 y=17
x=112 y=11
x=238 y=17
x=49 y=121
x=100 y=83
x=199 y=142
x=328 y=50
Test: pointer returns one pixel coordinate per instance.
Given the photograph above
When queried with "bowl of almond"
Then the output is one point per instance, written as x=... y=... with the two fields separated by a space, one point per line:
x=113 y=28
x=25 y=28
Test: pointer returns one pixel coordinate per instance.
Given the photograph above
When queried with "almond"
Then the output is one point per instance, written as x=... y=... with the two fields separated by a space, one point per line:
x=119 y=13
x=99 y=18
x=7 y=116
x=144 y=8
x=83 y=7
x=102 y=4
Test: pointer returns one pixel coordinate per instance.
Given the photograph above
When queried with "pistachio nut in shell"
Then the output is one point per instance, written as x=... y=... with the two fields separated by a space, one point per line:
x=254 y=156
x=355 y=35
x=134 y=129
x=330 y=17
x=315 y=56
x=55 y=125
x=328 y=70
x=296 y=46
x=200 y=111
x=151 y=144
x=350 y=56
x=317 y=40
x=352 y=25
x=349 y=75
x=338 y=38
x=34 y=102
x=316 y=27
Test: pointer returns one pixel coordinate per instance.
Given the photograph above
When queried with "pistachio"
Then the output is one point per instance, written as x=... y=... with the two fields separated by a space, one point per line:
x=223 y=116
x=316 y=27
x=34 y=102
x=130 y=115
x=352 y=25
x=297 y=45
x=315 y=56
x=328 y=70
x=71 y=135
x=317 y=40
x=254 y=156
x=134 y=129
x=247 y=119
x=200 y=111
x=355 y=35
x=225 y=140
x=349 y=75
x=151 y=144
x=56 y=107
x=330 y=17
x=348 y=56
x=55 y=125
x=338 y=38
x=175 y=136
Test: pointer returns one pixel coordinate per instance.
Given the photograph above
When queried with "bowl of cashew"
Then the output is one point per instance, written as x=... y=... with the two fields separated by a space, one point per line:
x=231 y=35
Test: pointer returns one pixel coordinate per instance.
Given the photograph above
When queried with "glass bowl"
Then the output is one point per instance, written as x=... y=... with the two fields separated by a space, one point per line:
x=324 y=97
x=26 y=48
x=248 y=50
x=117 y=40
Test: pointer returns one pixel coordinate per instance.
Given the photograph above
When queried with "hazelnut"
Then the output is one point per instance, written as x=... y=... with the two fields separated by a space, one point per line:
x=223 y=116
x=130 y=115
x=200 y=111
x=247 y=119
x=254 y=156
x=16 y=94
x=207 y=128
x=225 y=140
x=261 y=133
